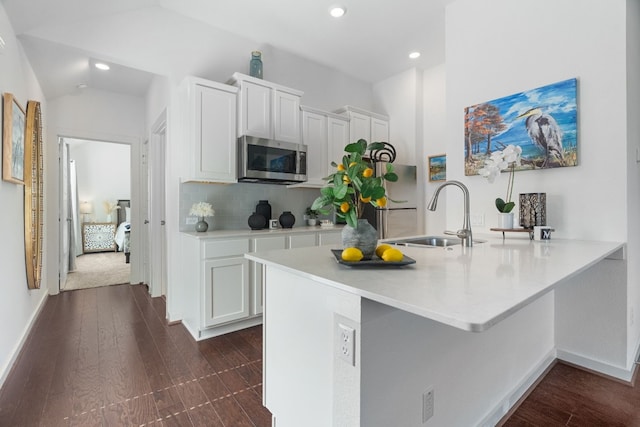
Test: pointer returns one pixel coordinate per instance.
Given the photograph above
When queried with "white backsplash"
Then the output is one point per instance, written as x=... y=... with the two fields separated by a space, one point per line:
x=234 y=203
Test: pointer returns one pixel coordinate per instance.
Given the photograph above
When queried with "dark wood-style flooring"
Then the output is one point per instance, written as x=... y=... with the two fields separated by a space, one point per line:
x=106 y=357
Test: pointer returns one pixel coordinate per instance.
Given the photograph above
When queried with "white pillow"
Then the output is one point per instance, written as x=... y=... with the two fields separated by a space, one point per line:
x=127 y=212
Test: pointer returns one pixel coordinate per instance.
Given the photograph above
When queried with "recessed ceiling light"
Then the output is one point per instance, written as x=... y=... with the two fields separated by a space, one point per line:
x=81 y=86
x=337 y=11
x=102 y=66
x=414 y=55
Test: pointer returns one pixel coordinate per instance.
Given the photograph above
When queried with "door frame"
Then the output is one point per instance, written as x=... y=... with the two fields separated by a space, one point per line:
x=136 y=223
x=157 y=231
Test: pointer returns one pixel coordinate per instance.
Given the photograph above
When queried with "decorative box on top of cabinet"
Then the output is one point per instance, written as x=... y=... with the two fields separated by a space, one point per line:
x=210 y=119
x=98 y=237
x=267 y=110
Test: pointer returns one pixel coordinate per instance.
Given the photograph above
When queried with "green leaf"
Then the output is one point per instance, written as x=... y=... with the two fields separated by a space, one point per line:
x=340 y=191
x=352 y=218
x=376 y=146
x=377 y=193
x=391 y=176
x=504 y=207
x=508 y=207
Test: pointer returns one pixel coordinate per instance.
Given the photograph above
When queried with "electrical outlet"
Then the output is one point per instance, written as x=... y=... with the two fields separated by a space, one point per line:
x=191 y=220
x=427 y=405
x=347 y=345
x=477 y=220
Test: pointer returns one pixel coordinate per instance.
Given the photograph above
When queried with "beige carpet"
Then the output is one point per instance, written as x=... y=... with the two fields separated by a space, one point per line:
x=98 y=269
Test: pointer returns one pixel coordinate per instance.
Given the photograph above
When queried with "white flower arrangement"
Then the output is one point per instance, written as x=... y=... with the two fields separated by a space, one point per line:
x=494 y=165
x=109 y=207
x=202 y=209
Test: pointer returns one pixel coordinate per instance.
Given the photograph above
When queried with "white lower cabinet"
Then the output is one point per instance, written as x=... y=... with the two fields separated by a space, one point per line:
x=261 y=244
x=222 y=290
x=302 y=240
x=226 y=290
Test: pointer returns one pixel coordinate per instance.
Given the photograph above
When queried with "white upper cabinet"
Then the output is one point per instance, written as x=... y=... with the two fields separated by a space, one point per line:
x=210 y=128
x=325 y=135
x=338 y=138
x=255 y=111
x=363 y=124
x=314 y=136
x=267 y=110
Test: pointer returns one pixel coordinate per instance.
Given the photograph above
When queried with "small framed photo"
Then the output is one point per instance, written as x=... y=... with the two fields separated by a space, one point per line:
x=438 y=167
x=13 y=121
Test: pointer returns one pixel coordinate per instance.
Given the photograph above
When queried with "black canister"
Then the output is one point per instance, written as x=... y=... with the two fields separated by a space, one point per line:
x=264 y=208
x=257 y=221
x=287 y=219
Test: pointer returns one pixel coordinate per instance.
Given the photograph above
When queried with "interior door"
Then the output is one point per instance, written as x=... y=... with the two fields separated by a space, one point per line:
x=64 y=218
x=144 y=212
x=157 y=229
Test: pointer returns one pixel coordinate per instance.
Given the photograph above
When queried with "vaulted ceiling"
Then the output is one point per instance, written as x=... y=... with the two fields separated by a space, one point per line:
x=63 y=38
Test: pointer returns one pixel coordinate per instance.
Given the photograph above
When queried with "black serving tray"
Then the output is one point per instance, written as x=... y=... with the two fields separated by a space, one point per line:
x=373 y=262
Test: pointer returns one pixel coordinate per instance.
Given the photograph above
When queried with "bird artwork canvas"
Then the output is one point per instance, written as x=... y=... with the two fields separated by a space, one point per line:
x=541 y=121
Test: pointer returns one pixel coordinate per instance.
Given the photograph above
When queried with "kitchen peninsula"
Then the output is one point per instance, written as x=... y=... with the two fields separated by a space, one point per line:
x=446 y=341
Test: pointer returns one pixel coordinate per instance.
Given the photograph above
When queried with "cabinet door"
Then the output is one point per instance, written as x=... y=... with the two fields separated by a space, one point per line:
x=379 y=130
x=330 y=238
x=215 y=137
x=338 y=138
x=255 y=110
x=226 y=290
x=314 y=136
x=286 y=116
x=359 y=127
x=302 y=240
x=261 y=244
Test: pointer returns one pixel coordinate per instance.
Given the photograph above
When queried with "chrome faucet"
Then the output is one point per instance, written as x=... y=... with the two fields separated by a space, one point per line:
x=463 y=234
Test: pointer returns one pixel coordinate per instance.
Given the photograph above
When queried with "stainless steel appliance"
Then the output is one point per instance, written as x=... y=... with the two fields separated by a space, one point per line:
x=270 y=161
x=396 y=219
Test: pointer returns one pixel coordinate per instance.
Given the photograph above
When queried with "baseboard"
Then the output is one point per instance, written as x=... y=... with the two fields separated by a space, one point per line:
x=606 y=369
x=518 y=394
x=20 y=344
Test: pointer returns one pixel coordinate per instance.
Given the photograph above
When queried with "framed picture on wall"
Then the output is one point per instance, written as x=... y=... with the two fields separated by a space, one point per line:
x=438 y=167
x=13 y=122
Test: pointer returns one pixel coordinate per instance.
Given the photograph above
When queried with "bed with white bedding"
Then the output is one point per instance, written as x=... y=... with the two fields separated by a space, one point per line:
x=122 y=236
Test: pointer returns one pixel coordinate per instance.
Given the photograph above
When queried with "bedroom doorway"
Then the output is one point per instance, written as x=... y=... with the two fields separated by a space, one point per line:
x=95 y=196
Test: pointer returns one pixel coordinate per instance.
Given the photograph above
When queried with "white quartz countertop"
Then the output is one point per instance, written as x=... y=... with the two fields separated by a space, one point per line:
x=467 y=288
x=264 y=232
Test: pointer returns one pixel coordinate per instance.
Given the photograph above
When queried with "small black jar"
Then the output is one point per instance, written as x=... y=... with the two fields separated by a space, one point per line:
x=264 y=208
x=287 y=219
x=257 y=221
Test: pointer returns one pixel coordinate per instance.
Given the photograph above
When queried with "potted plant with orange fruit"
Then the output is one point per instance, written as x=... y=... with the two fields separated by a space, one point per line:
x=352 y=186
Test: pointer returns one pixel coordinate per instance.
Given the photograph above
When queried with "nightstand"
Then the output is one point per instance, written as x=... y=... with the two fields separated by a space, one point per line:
x=98 y=237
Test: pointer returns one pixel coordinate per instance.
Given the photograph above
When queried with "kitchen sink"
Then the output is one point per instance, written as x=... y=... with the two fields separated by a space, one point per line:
x=439 y=241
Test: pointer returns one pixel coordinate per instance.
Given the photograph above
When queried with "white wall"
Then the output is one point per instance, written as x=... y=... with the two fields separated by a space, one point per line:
x=434 y=141
x=579 y=199
x=633 y=175
x=104 y=174
x=18 y=305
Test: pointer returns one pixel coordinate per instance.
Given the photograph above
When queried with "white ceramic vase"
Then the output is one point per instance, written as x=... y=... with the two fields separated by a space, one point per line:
x=505 y=220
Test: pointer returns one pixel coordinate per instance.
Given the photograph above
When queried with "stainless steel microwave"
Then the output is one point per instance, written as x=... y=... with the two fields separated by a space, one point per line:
x=270 y=161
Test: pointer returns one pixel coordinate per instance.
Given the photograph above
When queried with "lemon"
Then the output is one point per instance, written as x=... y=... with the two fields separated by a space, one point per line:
x=365 y=199
x=382 y=202
x=367 y=173
x=392 y=255
x=340 y=167
x=353 y=164
x=380 y=249
x=344 y=207
x=351 y=254
x=346 y=179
